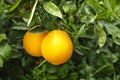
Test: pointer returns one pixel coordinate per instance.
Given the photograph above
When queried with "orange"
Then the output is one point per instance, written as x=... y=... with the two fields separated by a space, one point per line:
x=32 y=42
x=57 y=47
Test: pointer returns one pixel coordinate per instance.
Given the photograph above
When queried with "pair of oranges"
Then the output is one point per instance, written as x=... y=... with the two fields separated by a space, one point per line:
x=55 y=46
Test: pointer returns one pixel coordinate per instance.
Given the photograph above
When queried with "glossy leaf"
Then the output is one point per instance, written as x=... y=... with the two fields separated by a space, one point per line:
x=14 y=6
x=73 y=76
x=20 y=26
x=51 y=8
x=2 y=36
x=3 y=6
x=5 y=50
x=108 y=4
x=15 y=54
x=114 y=31
x=93 y=26
x=63 y=70
x=101 y=36
x=95 y=5
x=1 y=61
x=81 y=30
x=52 y=77
x=70 y=7
x=50 y=68
x=116 y=40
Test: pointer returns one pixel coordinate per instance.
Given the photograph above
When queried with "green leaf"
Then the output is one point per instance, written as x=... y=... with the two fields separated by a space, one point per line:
x=20 y=26
x=52 y=77
x=51 y=8
x=1 y=61
x=69 y=7
x=95 y=5
x=73 y=76
x=14 y=6
x=15 y=54
x=81 y=31
x=110 y=4
x=66 y=8
x=50 y=68
x=2 y=36
x=114 y=31
x=107 y=4
x=3 y=6
x=101 y=36
x=5 y=50
x=116 y=40
x=63 y=70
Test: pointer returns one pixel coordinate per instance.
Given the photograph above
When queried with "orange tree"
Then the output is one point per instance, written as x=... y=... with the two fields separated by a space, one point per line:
x=93 y=26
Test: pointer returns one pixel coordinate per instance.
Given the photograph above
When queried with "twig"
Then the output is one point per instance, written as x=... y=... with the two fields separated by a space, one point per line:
x=32 y=13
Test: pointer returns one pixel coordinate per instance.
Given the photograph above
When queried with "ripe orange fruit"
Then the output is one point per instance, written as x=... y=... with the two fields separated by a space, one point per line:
x=57 y=47
x=32 y=42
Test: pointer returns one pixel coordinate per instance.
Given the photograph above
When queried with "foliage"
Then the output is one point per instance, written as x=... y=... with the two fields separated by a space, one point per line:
x=93 y=25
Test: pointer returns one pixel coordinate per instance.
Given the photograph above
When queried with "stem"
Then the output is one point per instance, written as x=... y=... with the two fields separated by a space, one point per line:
x=33 y=27
x=32 y=13
x=41 y=64
x=100 y=69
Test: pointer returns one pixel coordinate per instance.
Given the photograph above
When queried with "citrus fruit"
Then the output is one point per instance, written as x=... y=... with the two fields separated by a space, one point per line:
x=57 y=47
x=32 y=42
